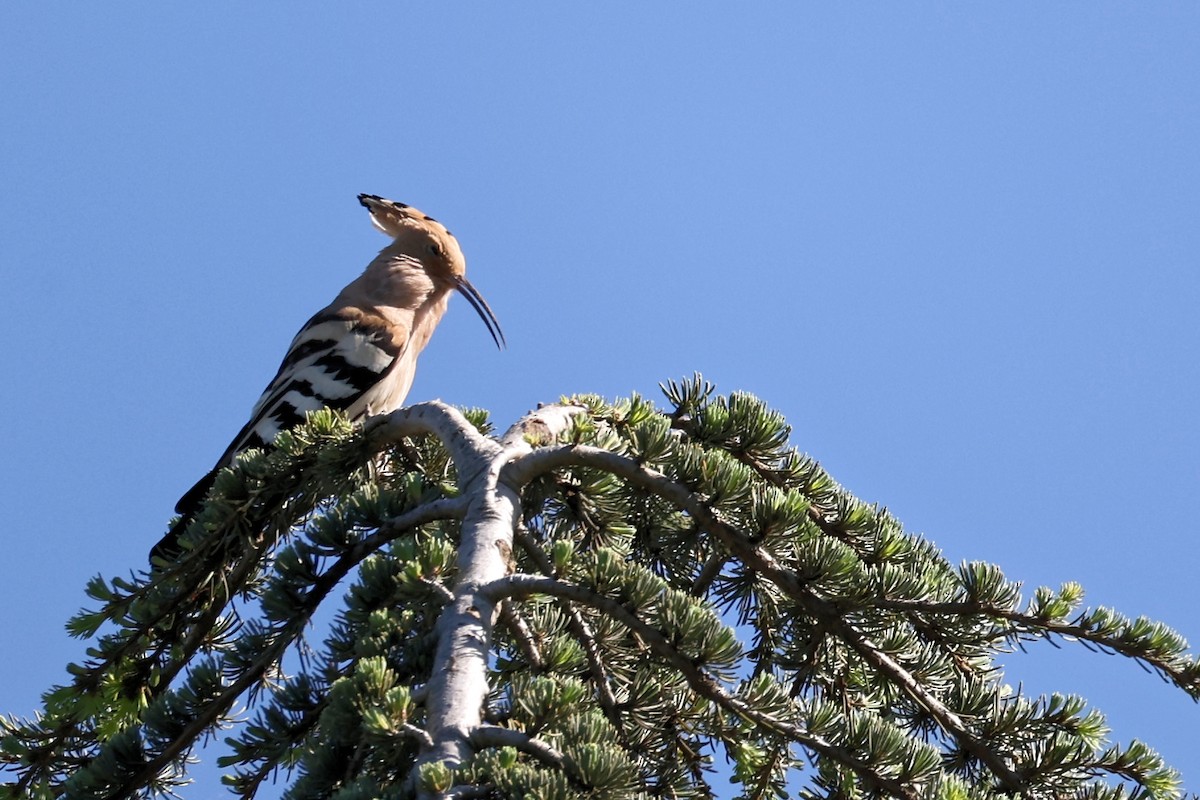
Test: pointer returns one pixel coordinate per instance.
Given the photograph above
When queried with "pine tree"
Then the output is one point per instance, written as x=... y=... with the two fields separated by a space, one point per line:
x=608 y=601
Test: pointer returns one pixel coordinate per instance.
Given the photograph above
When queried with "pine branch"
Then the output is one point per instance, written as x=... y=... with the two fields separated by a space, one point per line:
x=271 y=654
x=793 y=585
x=1183 y=672
x=865 y=647
x=702 y=683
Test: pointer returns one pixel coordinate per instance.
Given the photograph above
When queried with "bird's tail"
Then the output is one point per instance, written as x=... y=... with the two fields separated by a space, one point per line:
x=168 y=548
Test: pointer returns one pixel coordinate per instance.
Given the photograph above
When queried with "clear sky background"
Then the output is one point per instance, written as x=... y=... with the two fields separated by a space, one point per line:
x=956 y=245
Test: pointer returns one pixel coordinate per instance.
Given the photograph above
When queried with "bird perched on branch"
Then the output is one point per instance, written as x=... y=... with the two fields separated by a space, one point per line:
x=359 y=353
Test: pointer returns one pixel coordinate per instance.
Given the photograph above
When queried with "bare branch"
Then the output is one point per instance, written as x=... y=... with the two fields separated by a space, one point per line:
x=419 y=734
x=465 y=444
x=494 y=736
x=458 y=688
x=542 y=427
x=511 y=617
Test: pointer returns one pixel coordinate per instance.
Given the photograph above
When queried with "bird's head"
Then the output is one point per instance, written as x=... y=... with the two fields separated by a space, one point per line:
x=421 y=237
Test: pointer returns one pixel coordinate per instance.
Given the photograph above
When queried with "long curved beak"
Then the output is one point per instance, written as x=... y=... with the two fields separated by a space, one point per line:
x=482 y=309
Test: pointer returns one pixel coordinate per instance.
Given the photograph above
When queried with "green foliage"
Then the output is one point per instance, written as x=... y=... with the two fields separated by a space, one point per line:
x=697 y=603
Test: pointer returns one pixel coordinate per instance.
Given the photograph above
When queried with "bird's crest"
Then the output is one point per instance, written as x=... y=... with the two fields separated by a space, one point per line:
x=392 y=217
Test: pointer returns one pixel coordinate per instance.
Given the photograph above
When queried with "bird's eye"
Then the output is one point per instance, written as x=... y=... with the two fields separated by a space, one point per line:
x=435 y=248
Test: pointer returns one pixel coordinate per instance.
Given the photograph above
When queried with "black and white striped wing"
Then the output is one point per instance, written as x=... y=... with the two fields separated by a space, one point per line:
x=331 y=363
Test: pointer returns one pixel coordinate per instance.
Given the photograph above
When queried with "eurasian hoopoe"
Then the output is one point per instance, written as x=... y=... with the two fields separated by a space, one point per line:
x=359 y=353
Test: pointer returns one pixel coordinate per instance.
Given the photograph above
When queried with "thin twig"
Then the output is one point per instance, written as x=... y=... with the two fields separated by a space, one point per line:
x=511 y=617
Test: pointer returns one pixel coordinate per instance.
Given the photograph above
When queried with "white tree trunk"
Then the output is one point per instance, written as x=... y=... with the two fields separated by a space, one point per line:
x=458 y=687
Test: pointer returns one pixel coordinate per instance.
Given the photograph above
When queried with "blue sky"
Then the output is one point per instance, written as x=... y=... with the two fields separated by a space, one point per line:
x=956 y=245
